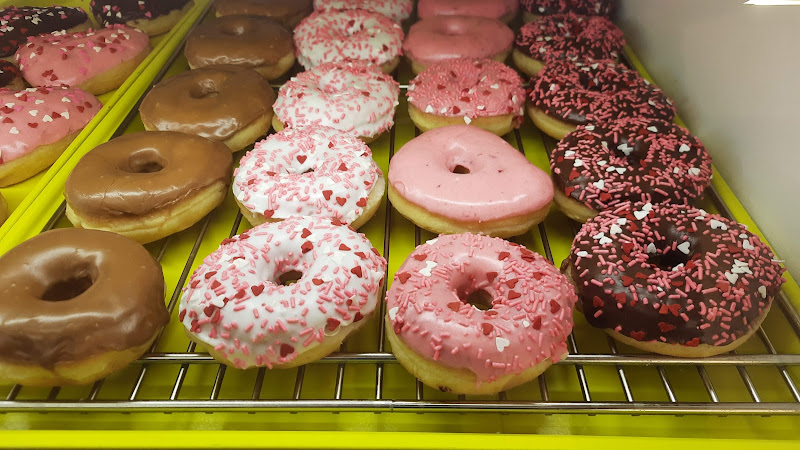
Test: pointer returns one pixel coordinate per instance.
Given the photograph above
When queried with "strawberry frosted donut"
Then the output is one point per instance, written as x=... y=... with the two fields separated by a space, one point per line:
x=240 y=306
x=478 y=315
x=95 y=61
x=532 y=9
x=351 y=35
x=397 y=10
x=460 y=178
x=448 y=37
x=350 y=96
x=37 y=125
x=505 y=10
x=483 y=93
x=317 y=171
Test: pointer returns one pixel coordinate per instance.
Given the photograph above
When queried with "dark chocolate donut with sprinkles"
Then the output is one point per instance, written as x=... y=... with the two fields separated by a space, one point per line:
x=533 y=8
x=16 y=24
x=671 y=279
x=141 y=14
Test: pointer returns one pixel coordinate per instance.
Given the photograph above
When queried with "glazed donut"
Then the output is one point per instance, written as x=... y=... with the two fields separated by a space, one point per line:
x=472 y=314
x=438 y=38
x=532 y=9
x=599 y=166
x=397 y=10
x=354 y=97
x=483 y=93
x=17 y=24
x=149 y=185
x=317 y=171
x=460 y=178
x=256 y=42
x=95 y=61
x=153 y=17
x=566 y=36
x=37 y=125
x=239 y=306
x=567 y=94
x=504 y=10
x=75 y=306
x=350 y=35
x=672 y=279
x=10 y=78
x=288 y=12
x=230 y=104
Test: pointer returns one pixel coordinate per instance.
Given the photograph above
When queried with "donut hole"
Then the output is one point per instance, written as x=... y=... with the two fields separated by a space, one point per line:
x=290 y=277
x=66 y=289
x=145 y=161
x=204 y=89
x=459 y=169
x=669 y=259
x=479 y=298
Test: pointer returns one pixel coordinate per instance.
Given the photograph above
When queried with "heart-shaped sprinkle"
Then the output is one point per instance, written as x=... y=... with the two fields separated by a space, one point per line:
x=501 y=343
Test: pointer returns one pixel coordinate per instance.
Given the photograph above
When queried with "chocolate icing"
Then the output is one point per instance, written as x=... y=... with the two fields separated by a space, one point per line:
x=562 y=36
x=583 y=7
x=249 y=41
x=122 y=11
x=8 y=73
x=121 y=307
x=140 y=173
x=214 y=102
x=287 y=12
x=31 y=21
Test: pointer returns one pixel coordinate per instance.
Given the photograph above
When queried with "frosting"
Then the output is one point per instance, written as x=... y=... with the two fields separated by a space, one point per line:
x=646 y=160
x=582 y=7
x=529 y=319
x=316 y=171
x=17 y=24
x=354 y=97
x=71 y=59
x=114 y=288
x=350 y=35
x=496 y=9
x=501 y=182
x=672 y=274
x=588 y=92
x=562 y=36
x=468 y=88
x=122 y=11
x=39 y=116
x=446 y=37
x=139 y=173
x=397 y=10
x=236 y=304
x=8 y=73
x=287 y=12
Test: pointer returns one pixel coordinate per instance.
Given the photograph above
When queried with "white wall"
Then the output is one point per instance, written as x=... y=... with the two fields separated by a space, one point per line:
x=734 y=73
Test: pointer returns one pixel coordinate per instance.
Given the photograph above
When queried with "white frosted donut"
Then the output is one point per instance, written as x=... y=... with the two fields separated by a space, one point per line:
x=354 y=97
x=239 y=309
x=318 y=171
x=397 y=10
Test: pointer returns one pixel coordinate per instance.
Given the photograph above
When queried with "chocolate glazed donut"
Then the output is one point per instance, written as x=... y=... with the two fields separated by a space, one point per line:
x=76 y=305
x=151 y=16
x=287 y=12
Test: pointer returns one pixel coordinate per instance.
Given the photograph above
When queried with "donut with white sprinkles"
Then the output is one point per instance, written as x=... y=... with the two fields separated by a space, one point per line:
x=17 y=24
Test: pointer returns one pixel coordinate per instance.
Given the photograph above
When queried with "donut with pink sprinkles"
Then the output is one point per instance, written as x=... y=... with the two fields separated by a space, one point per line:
x=397 y=10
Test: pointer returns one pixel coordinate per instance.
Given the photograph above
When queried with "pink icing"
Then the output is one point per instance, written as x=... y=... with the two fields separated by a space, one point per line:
x=41 y=116
x=502 y=182
x=530 y=317
x=494 y=9
x=71 y=59
x=446 y=37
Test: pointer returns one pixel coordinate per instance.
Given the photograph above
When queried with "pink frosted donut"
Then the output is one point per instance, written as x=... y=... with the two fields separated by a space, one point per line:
x=397 y=10
x=354 y=97
x=350 y=35
x=317 y=171
x=239 y=306
x=441 y=330
x=447 y=37
x=504 y=10
x=95 y=61
x=460 y=178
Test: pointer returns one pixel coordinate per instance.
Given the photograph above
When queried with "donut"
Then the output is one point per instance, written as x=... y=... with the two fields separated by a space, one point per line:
x=672 y=279
x=566 y=94
x=10 y=78
x=354 y=97
x=599 y=166
x=473 y=314
x=483 y=93
x=240 y=306
x=37 y=125
x=460 y=178
x=149 y=185
x=397 y=10
x=259 y=43
x=19 y=23
x=350 y=35
x=504 y=10
x=229 y=104
x=153 y=17
x=96 y=61
x=75 y=306
x=288 y=12
x=566 y=36
x=317 y=171
x=438 y=38
x=532 y=9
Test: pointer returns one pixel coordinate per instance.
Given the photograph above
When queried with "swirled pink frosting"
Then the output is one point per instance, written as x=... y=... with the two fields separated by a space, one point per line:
x=446 y=37
x=494 y=9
